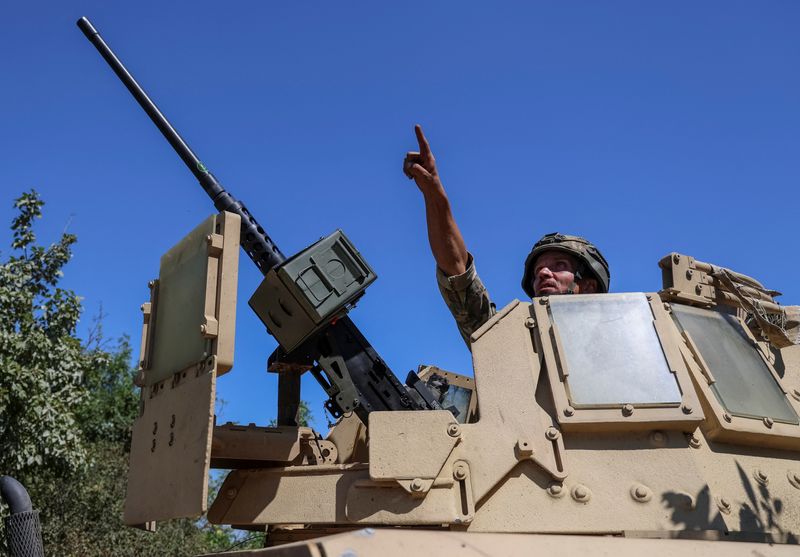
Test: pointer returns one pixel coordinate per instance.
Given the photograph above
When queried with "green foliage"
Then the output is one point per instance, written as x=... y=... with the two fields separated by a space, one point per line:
x=41 y=362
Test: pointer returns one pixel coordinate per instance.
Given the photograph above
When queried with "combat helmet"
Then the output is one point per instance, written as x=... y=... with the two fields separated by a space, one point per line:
x=591 y=262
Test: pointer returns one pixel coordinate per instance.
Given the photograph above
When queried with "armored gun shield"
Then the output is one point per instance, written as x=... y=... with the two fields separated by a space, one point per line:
x=187 y=342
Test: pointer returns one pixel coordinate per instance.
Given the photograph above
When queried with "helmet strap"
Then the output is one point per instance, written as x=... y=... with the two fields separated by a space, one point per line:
x=573 y=286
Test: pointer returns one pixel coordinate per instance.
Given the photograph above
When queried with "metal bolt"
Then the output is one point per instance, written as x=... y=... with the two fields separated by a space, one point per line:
x=627 y=410
x=555 y=490
x=581 y=493
x=530 y=322
x=544 y=300
x=760 y=476
x=453 y=430
x=231 y=493
x=569 y=411
x=689 y=273
x=686 y=408
x=416 y=484
x=769 y=422
x=641 y=493
x=694 y=441
x=676 y=258
x=698 y=289
x=460 y=473
x=552 y=433
x=151 y=284
x=724 y=505
x=728 y=417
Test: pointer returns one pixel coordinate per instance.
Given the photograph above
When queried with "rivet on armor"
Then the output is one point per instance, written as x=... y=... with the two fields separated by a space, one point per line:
x=694 y=441
x=581 y=493
x=552 y=433
x=627 y=410
x=530 y=322
x=460 y=472
x=416 y=484
x=698 y=289
x=768 y=422
x=569 y=411
x=556 y=490
x=641 y=493
x=724 y=505
x=760 y=476
x=687 y=409
x=676 y=258
x=453 y=430
x=231 y=493
x=727 y=417
x=689 y=273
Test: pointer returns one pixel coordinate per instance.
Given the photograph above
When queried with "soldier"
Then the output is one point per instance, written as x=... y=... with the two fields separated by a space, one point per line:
x=557 y=264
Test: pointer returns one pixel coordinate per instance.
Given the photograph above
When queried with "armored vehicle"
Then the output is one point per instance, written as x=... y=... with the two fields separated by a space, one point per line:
x=631 y=422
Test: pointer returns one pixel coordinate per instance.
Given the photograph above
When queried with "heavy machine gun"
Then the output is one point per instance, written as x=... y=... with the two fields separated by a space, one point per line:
x=302 y=303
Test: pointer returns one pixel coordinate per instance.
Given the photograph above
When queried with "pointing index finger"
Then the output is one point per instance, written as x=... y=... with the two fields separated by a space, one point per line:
x=424 y=148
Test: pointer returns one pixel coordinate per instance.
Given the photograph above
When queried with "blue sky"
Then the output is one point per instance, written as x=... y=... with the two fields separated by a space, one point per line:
x=647 y=127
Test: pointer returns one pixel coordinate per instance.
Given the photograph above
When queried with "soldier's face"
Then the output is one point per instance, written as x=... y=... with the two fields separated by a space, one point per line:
x=554 y=273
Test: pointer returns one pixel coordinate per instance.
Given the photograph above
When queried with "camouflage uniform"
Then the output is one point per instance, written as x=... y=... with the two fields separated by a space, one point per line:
x=467 y=299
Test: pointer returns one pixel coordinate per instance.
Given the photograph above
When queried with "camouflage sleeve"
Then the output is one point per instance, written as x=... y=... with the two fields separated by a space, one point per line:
x=467 y=299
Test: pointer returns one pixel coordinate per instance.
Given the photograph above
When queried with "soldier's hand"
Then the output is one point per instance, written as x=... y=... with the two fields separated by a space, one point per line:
x=421 y=166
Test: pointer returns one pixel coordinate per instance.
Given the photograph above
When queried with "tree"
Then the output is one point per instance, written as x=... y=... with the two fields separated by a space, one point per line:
x=41 y=360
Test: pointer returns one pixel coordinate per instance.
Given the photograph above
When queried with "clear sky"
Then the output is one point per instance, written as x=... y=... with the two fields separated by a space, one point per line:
x=647 y=127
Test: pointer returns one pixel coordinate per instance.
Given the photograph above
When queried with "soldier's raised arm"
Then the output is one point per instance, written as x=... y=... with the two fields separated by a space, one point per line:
x=461 y=289
x=444 y=237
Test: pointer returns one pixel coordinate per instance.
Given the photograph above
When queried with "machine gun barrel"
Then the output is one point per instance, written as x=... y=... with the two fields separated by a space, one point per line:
x=258 y=246
x=349 y=369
